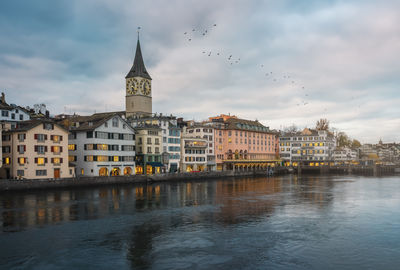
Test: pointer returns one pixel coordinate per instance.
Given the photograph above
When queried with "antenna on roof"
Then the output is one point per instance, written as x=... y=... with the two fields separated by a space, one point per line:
x=138 y=29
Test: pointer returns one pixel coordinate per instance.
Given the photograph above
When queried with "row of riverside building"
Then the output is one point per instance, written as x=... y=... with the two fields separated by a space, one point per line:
x=137 y=141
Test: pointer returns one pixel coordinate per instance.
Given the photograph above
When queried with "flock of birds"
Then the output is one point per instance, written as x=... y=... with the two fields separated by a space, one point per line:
x=191 y=36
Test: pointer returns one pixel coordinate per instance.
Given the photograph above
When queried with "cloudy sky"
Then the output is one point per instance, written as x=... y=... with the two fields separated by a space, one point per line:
x=299 y=60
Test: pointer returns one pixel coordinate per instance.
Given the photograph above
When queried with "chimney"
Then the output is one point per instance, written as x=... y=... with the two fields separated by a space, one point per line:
x=3 y=97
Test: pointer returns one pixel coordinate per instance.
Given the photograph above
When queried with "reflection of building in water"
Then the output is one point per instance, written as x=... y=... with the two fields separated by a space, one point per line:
x=245 y=198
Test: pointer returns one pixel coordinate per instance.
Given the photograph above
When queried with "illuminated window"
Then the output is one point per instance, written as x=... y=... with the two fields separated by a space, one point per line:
x=71 y=158
x=56 y=161
x=21 y=160
x=229 y=140
x=72 y=147
x=116 y=158
x=6 y=160
x=40 y=161
x=56 y=138
x=82 y=171
x=102 y=147
x=102 y=158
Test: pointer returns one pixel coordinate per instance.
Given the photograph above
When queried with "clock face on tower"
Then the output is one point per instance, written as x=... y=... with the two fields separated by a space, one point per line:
x=146 y=88
x=132 y=86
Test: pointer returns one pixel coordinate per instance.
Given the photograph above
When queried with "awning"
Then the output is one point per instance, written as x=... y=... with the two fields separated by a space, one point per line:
x=155 y=164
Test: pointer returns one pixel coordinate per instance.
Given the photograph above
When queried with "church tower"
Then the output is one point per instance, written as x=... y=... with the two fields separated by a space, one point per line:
x=138 y=88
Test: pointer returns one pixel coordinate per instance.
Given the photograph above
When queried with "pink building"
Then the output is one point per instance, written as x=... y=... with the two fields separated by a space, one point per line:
x=243 y=144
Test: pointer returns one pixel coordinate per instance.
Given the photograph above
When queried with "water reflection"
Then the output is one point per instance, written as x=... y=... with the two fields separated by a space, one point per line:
x=238 y=200
x=256 y=223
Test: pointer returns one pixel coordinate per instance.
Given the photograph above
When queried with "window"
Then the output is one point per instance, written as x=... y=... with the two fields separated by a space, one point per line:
x=72 y=147
x=106 y=124
x=157 y=150
x=157 y=141
x=72 y=158
x=89 y=134
x=40 y=149
x=40 y=137
x=6 y=149
x=116 y=158
x=4 y=113
x=148 y=149
x=21 y=137
x=115 y=122
x=40 y=161
x=56 y=138
x=41 y=172
x=6 y=160
x=13 y=116
x=148 y=140
x=20 y=172
x=21 y=149
x=56 y=161
x=56 y=149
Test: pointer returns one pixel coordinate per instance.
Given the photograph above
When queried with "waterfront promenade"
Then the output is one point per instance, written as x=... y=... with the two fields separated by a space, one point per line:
x=28 y=184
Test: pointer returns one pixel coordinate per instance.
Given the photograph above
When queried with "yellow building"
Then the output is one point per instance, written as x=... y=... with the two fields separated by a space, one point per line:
x=35 y=149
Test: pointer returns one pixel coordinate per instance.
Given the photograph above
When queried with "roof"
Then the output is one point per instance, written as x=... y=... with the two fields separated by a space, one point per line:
x=138 y=69
x=91 y=122
x=29 y=124
x=237 y=123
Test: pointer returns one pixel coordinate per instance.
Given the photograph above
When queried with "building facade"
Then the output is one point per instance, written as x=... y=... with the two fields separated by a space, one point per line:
x=148 y=147
x=345 y=155
x=12 y=113
x=198 y=130
x=102 y=145
x=36 y=149
x=310 y=147
x=193 y=154
x=243 y=144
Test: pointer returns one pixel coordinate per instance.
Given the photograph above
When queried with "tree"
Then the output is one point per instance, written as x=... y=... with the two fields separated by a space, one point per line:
x=322 y=124
x=355 y=144
x=343 y=140
x=291 y=129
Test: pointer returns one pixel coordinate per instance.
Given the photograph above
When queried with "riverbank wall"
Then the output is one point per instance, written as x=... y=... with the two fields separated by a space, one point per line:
x=29 y=184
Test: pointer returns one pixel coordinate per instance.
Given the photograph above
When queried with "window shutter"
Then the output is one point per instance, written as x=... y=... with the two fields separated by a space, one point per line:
x=24 y=148
x=52 y=148
x=52 y=137
x=85 y=147
x=36 y=148
x=61 y=160
x=45 y=148
x=45 y=160
x=36 y=136
x=52 y=160
x=60 y=138
x=60 y=149
x=84 y=158
x=45 y=136
x=36 y=160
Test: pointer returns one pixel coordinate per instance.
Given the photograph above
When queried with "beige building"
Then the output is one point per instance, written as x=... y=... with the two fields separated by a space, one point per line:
x=193 y=154
x=35 y=149
x=148 y=149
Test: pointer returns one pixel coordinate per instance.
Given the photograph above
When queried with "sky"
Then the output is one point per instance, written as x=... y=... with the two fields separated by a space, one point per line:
x=299 y=60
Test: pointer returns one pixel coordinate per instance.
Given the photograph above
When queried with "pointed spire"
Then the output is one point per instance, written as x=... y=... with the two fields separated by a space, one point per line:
x=138 y=69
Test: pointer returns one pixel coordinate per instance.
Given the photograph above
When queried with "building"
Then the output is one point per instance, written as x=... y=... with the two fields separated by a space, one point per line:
x=199 y=130
x=12 y=113
x=310 y=147
x=35 y=149
x=170 y=132
x=345 y=155
x=148 y=146
x=193 y=153
x=101 y=144
x=243 y=144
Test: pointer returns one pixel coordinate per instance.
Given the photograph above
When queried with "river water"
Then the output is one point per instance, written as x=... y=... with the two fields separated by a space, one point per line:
x=312 y=222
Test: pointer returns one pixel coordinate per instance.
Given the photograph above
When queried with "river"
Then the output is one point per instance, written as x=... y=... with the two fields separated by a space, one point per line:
x=289 y=222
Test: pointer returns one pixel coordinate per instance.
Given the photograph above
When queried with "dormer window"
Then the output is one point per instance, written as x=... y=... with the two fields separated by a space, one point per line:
x=90 y=124
x=115 y=122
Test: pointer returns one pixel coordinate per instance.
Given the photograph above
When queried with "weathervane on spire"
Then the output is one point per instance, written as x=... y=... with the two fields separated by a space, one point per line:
x=138 y=29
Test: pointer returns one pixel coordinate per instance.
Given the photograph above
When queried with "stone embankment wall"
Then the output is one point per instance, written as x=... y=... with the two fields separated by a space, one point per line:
x=26 y=184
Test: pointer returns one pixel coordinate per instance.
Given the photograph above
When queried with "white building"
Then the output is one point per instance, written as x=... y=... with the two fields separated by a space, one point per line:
x=12 y=113
x=206 y=132
x=311 y=147
x=102 y=144
x=345 y=155
x=193 y=153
